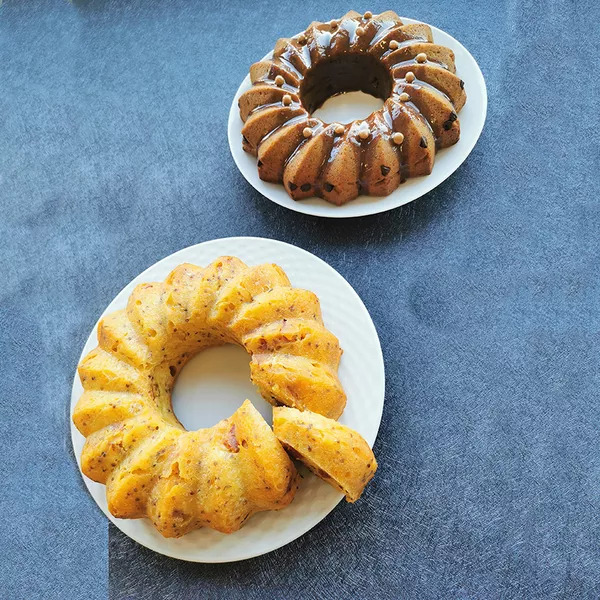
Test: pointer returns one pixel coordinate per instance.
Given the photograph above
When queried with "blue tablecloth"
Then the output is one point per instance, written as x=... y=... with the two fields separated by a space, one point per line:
x=485 y=293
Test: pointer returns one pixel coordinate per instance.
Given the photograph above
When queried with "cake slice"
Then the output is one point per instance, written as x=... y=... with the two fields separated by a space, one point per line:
x=299 y=382
x=438 y=77
x=303 y=169
x=264 y=121
x=418 y=145
x=276 y=149
x=340 y=178
x=261 y=95
x=335 y=453
x=382 y=168
x=268 y=70
x=401 y=34
x=435 y=107
x=412 y=48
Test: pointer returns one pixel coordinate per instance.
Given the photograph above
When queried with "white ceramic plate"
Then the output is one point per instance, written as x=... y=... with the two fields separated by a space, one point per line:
x=472 y=118
x=224 y=384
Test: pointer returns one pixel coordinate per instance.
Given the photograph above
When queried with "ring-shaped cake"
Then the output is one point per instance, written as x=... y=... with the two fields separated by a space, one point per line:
x=215 y=477
x=376 y=54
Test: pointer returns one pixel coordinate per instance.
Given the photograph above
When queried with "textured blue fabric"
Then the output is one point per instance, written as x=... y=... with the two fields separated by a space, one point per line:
x=485 y=294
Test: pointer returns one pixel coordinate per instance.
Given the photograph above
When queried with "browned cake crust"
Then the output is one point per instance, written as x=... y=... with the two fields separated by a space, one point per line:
x=216 y=477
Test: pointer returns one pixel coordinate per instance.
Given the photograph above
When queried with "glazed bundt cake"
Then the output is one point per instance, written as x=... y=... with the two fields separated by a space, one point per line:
x=215 y=477
x=378 y=55
x=335 y=453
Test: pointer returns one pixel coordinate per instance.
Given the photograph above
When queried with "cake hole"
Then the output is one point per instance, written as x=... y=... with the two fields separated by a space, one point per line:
x=347 y=73
x=348 y=107
x=213 y=385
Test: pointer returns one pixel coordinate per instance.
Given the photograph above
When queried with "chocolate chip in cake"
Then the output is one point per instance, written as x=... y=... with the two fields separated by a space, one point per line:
x=462 y=84
x=423 y=142
x=293 y=186
x=451 y=119
x=384 y=170
x=260 y=164
x=305 y=187
x=328 y=187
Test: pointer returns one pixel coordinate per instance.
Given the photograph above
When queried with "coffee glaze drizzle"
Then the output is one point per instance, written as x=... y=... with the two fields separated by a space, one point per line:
x=337 y=162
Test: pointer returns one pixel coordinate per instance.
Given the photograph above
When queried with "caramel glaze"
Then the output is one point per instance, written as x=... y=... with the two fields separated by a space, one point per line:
x=349 y=55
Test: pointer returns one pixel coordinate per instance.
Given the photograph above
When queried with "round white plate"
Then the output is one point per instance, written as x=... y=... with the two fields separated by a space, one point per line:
x=472 y=118
x=225 y=383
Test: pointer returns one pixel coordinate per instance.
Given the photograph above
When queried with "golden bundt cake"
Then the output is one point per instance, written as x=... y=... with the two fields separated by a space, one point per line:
x=378 y=55
x=215 y=477
x=335 y=453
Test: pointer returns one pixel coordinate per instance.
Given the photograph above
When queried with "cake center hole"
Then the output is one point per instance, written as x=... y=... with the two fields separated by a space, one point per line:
x=213 y=385
x=331 y=79
x=347 y=107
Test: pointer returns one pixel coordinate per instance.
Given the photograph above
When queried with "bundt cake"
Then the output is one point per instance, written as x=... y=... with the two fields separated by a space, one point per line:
x=378 y=55
x=215 y=477
x=334 y=452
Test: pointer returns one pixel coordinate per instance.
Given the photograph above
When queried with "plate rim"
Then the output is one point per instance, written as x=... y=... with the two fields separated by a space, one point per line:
x=76 y=393
x=324 y=209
